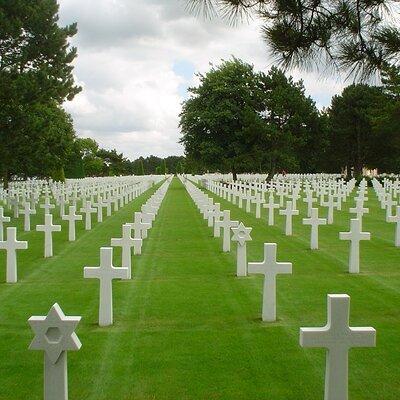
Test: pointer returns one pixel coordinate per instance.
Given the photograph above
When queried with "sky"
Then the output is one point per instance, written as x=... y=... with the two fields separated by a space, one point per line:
x=136 y=58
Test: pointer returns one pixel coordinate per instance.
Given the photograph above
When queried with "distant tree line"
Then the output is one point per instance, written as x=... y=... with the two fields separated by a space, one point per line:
x=239 y=120
x=88 y=159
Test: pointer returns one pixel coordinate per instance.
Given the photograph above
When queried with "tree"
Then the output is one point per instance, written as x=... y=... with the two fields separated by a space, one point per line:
x=240 y=120
x=212 y=119
x=354 y=142
x=359 y=37
x=35 y=75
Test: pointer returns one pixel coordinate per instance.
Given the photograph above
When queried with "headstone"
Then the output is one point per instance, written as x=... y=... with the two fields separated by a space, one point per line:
x=27 y=212
x=106 y=272
x=355 y=236
x=270 y=268
x=88 y=210
x=314 y=221
x=71 y=217
x=241 y=235
x=271 y=205
x=338 y=338
x=2 y=220
x=289 y=212
x=54 y=334
x=226 y=224
x=48 y=228
x=126 y=243
x=11 y=245
x=396 y=219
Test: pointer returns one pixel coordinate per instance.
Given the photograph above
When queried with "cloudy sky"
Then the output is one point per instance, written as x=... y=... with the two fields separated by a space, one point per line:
x=137 y=57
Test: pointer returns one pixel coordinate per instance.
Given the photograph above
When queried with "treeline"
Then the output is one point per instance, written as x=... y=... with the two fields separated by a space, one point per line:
x=88 y=159
x=240 y=120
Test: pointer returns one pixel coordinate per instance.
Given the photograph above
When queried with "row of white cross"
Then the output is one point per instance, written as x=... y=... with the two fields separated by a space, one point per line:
x=336 y=336
x=55 y=332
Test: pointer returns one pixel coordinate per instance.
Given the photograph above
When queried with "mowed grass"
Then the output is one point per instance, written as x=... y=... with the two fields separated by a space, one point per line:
x=187 y=328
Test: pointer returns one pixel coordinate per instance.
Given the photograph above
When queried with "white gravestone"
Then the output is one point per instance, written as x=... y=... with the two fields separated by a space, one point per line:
x=270 y=268
x=27 y=212
x=241 y=235
x=338 y=338
x=88 y=210
x=396 y=219
x=271 y=205
x=226 y=224
x=314 y=221
x=71 y=217
x=355 y=236
x=11 y=245
x=47 y=206
x=289 y=212
x=359 y=210
x=126 y=243
x=2 y=220
x=106 y=272
x=48 y=228
x=54 y=334
x=258 y=201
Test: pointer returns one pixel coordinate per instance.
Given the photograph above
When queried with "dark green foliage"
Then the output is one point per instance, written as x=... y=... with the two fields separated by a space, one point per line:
x=242 y=120
x=35 y=79
x=360 y=37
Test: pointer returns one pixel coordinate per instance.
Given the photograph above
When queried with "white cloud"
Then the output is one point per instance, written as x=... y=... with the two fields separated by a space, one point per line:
x=128 y=52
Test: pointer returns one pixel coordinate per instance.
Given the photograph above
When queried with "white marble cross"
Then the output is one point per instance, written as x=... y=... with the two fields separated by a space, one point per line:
x=47 y=206
x=88 y=210
x=271 y=205
x=309 y=199
x=126 y=243
x=139 y=230
x=258 y=201
x=11 y=245
x=241 y=235
x=54 y=334
x=27 y=212
x=106 y=272
x=226 y=224
x=359 y=210
x=289 y=212
x=71 y=217
x=270 y=268
x=338 y=338
x=2 y=220
x=396 y=219
x=217 y=214
x=48 y=228
x=355 y=235
x=331 y=206
x=314 y=221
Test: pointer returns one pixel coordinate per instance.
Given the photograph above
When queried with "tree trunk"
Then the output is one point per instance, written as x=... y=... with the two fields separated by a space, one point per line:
x=234 y=173
x=6 y=179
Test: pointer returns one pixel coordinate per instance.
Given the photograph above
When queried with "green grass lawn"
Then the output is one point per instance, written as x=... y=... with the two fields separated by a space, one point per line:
x=186 y=328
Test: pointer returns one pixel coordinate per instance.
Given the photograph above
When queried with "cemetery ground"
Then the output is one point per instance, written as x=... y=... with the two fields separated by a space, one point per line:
x=185 y=327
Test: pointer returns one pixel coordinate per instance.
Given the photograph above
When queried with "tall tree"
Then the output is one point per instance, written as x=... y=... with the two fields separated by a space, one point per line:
x=213 y=118
x=354 y=142
x=361 y=37
x=35 y=73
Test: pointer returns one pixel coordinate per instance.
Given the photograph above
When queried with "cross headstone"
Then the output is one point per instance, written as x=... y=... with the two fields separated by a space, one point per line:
x=11 y=245
x=314 y=221
x=47 y=206
x=106 y=272
x=396 y=219
x=289 y=212
x=71 y=217
x=2 y=220
x=226 y=224
x=48 y=228
x=271 y=206
x=88 y=210
x=355 y=236
x=27 y=212
x=54 y=334
x=258 y=200
x=241 y=235
x=338 y=338
x=270 y=268
x=126 y=243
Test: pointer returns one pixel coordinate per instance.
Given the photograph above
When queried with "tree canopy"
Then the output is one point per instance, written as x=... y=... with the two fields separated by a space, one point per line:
x=359 y=37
